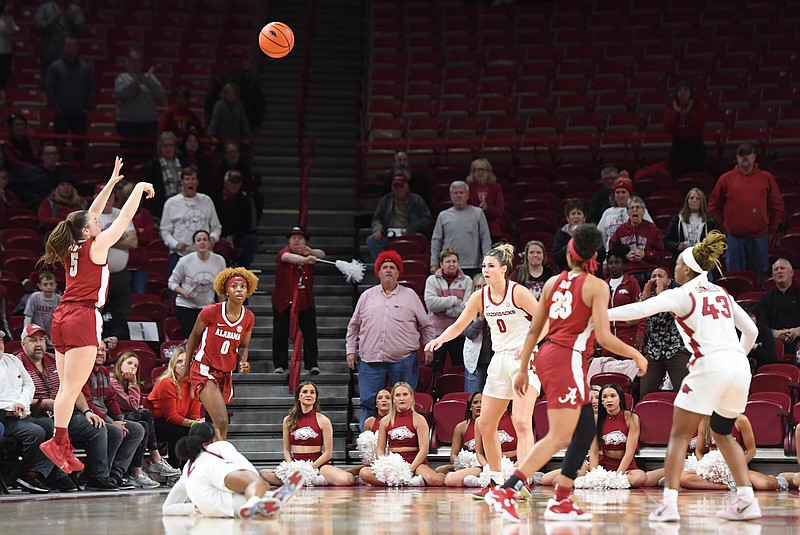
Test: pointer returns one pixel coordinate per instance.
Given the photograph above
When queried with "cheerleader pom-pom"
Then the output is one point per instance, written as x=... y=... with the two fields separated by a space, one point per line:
x=506 y=468
x=600 y=478
x=366 y=443
x=690 y=465
x=466 y=459
x=313 y=479
x=392 y=469
x=713 y=468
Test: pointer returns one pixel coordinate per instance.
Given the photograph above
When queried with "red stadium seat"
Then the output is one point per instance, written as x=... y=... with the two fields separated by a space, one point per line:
x=172 y=329
x=778 y=397
x=156 y=373
x=423 y=404
x=769 y=421
x=463 y=396
x=661 y=395
x=655 y=421
x=735 y=285
x=424 y=378
x=168 y=348
x=619 y=379
x=790 y=370
x=449 y=382
x=774 y=382
x=447 y=414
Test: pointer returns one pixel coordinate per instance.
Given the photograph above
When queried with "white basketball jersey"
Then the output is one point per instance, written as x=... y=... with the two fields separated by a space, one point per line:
x=509 y=324
x=709 y=326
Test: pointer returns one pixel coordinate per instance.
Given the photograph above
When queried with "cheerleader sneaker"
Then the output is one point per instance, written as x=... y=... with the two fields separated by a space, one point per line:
x=741 y=509
x=481 y=494
x=260 y=507
x=416 y=481
x=503 y=501
x=665 y=512
x=290 y=487
x=565 y=510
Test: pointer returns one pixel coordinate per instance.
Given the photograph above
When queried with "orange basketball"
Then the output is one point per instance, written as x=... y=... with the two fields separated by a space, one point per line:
x=276 y=39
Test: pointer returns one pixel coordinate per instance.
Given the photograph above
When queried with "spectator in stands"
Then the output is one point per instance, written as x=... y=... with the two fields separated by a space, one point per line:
x=684 y=120
x=615 y=216
x=61 y=202
x=7 y=28
x=445 y=294
x=21 y=151
x=128 y=393
x=179 y=118
x=294 y=282
x=763 y=351
x=485 y=193
x=192 y=152
x=174 y=408
x=624 y=289
x=417 y=183
x=145 y=232
x=85 y=429
x=748 y=205
x=186 y=213
x=55 y=20
x=477 y=346
x=8 y=199
x=164 y=173
x=193 y=280
x=691 y=224
x=70 y=90
x=399 y=212
x=137 y=116
x=576 y=215
x=780 y=307
x=40 y=305
x=232 y=159
x=249 y=90
x=125 y=434
x=36 y=182
x=308 y=436
x=118 y=299
x=229 y=120
x=601 y=200
x=463 y=228
x=644 y=239
x=16 y=394
x=236 y=212
x=388 y=307
x=534 y=271
x=663 y=347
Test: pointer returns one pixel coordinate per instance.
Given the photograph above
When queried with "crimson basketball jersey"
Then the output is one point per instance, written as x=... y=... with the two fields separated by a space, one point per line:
x=571 y=323
x=221 y=338
x=87 y=282
x=508 y=323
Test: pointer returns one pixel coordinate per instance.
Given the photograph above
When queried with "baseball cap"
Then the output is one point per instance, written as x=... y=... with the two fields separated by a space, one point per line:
x=745 y=149
x=297 y=229
x=31 y=330
x=234 y=176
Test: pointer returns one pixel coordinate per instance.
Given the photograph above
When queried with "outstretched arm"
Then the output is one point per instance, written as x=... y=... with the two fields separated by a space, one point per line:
x=100 y=201
x=474 y=305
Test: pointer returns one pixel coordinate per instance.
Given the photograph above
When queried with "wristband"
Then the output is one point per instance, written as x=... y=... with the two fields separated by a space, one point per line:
x=87 y=410
x=192 y=423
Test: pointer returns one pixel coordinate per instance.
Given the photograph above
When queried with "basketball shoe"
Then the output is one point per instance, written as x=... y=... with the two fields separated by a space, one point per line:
x=260 y=507
x=741 y=509
x=63 y=457
x=565 y=510
x=289 y=488
x=665 y=512
x=481 y=494
x=503 y=501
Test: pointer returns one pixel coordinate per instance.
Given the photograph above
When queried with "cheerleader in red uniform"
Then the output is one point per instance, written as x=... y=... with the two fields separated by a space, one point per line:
x=464 y=433
x=404 y=432
x=80 y=245
x=221 y=335
x=308 y=436
x=383 y=404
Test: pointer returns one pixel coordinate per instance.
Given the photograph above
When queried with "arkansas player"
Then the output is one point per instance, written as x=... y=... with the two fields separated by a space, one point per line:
x=221 y=335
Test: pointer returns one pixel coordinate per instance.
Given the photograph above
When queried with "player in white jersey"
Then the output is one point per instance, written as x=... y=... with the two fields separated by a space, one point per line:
x=719 y=374
x=508 y=308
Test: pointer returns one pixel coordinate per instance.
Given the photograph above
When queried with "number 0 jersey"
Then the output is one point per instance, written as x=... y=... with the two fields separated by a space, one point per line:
x=87 y=282
x=508 y=322
x=221 y=338
x=571 y=324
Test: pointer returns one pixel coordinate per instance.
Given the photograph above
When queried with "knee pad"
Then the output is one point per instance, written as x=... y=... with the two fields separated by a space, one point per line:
x=721 y=425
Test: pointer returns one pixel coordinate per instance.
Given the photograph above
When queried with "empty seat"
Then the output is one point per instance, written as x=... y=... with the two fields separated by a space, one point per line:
x=655 y=421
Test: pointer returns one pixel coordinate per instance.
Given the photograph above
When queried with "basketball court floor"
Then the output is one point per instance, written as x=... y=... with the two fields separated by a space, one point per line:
x=408 y=511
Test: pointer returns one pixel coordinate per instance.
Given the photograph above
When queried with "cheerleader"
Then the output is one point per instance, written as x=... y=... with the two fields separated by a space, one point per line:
x=383 y=404
x=221 y=335
x=405 y=432
x=308 y=436
x=218 y=481
x=464 y=433
x=368 y=438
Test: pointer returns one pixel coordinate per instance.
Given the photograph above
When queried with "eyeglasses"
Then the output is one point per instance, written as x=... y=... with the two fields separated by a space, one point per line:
x=635 y=207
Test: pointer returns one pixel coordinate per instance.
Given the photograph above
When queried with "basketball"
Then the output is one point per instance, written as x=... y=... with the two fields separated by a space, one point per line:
x=276 y=39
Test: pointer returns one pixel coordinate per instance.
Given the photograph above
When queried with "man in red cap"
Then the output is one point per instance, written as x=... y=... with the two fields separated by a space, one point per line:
x=294 y=278
x=385 y=332
x=613 y=217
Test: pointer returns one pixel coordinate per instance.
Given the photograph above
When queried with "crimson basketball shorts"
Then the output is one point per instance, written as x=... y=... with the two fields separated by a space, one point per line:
x=563 y=375
x=200 y=374
x=76 y=326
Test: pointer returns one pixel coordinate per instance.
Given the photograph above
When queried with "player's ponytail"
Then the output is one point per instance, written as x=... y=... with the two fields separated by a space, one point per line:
x=504 y=253
x=66 y=233
x=191 y=445
x=708 y=251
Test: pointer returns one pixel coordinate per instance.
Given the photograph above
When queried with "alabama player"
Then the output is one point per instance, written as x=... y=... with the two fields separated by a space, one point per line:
x=80 y=245
x=507 y=307
x=575 y=303
x=719 y=374
x=221 y=335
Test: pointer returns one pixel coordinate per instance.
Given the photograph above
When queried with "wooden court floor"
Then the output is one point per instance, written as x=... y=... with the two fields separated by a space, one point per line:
x=391 y=511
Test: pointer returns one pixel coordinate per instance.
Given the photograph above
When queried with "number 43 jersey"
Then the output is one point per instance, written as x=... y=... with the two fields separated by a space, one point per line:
x=221 y=338
x=508 y=322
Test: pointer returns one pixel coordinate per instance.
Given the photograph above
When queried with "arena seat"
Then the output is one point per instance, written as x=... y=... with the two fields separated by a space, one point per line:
x=770 y=422
x=446 y=415
x=655 y=421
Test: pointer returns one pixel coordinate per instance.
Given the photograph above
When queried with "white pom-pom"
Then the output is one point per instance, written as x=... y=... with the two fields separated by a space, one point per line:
x=600 y=478
x=690 y=465
x=713 y=468
x=366 y=443
x=506 y=468
x=392 y=469
x=466 y=459
x=313 y=479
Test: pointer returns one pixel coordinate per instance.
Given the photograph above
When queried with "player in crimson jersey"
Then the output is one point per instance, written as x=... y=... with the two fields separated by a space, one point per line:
x=718 y=382
x=576 y=304
x=221 y=335
x=80 y=245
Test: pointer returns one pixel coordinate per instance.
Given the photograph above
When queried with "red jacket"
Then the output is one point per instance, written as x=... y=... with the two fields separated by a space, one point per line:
x=645 y=236
x=165 y=404
x=747 y=206
x=627 y=292
x=286 y=278
x=495 y=204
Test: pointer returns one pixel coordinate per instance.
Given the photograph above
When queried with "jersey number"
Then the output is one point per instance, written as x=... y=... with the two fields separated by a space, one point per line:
x=226 y=345
x=715 y=309
x=501 y=326
x=562 y=305
x=73 y=264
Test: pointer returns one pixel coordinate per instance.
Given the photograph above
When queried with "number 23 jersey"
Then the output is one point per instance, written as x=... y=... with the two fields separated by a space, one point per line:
x=508 y=322
x=221 y=338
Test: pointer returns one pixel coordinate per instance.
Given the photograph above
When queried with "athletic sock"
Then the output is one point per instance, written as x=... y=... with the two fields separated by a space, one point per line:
x=61 y=437
x=496 y=477
x=515 y=481
x=745 y=492
x=670 y=495
x=562 y=493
